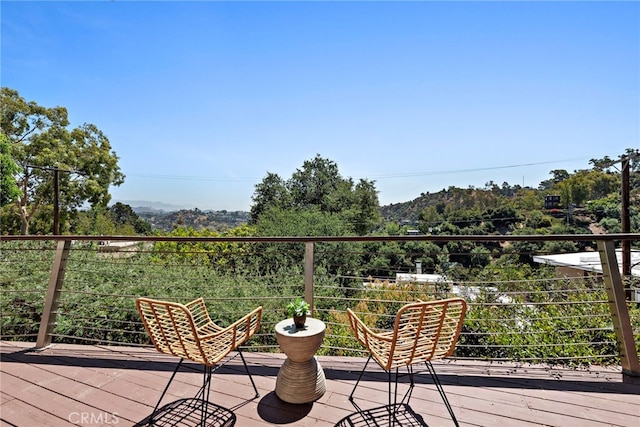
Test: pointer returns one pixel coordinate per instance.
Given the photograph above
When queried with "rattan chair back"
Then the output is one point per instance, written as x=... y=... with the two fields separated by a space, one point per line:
x=187 y=331
x=423 y=331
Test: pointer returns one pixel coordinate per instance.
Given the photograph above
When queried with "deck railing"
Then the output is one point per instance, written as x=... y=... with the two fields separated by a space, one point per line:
x=82 y=289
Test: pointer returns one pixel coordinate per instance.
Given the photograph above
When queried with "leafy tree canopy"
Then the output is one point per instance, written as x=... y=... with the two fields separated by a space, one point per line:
x=307 y=222
x=318 y=187
x=44 y=147
x=9 y=190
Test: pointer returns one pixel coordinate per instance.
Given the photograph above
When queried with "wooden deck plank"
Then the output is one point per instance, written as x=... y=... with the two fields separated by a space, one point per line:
x=18 y=413
x=46 y=387
x=42 y=397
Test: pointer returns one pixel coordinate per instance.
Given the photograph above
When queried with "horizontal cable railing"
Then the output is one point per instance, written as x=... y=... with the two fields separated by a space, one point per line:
x=518 y=311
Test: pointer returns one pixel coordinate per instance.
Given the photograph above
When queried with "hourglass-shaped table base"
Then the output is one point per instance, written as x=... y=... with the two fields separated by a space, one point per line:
x=301 y=378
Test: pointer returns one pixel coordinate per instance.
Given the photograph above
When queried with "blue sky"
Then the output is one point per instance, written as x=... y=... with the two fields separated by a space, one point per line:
x=200 y=100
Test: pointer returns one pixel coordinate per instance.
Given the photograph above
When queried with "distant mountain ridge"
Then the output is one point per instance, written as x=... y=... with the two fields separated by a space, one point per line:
x=147 y=206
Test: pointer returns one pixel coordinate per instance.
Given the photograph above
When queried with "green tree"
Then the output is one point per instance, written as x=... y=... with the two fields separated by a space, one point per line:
x=123 y=215
x=502 y=216
x=559 y=175
x=528 y=199
x=587 y=185
x=364 y=212
x=271 y=192
x=537 y=219
x=9 y=190
x=44 y=147
x=318 y=183
x=94 y=221
x=318 y=187
x=429 y=219
x=301 y=222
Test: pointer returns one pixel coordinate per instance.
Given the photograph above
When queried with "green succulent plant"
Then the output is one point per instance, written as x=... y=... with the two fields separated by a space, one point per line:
x=299 y=307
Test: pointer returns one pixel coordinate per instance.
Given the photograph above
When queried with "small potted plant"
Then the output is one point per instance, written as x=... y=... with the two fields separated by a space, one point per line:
x=298 y=309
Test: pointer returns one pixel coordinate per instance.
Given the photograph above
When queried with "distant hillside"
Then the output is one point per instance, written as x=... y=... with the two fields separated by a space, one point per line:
x=409 y=212
x=194 y=218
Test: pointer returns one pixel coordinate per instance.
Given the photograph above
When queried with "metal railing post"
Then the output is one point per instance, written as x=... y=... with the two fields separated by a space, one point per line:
x=308 y=275
x=618 y=307
x=49 y=313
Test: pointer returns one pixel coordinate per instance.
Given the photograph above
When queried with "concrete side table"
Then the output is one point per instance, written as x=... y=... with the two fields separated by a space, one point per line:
x=301 y=378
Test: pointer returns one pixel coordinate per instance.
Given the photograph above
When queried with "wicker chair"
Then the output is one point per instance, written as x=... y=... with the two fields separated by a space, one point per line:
x=423 y=331
x=187 y=331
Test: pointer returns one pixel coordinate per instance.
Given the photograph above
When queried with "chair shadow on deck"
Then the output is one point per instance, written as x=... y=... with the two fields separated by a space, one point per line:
x=276 y=411
x=190 y=412
x=379 y=417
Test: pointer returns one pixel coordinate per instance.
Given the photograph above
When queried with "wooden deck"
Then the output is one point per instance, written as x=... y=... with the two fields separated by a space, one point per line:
x=65 y=385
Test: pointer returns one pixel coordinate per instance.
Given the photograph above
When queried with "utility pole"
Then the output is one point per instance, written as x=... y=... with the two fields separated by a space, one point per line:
x=56 y=192
x=56 y=201
x=626 y=222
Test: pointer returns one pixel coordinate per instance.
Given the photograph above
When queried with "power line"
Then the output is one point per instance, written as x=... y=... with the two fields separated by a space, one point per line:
x=457 y=171
x=382 y=176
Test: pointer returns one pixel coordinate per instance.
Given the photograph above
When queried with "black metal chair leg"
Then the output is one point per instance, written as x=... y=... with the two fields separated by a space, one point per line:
x=389 y=403
x=201 y=399
x=407 y=395
x=206 y=391
x=436 y=381
x=248 y=373
x=405 y=398
x=165 y=391
x=359 y=377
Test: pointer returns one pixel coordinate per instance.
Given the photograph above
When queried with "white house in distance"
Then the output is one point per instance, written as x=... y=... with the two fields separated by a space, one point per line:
x=120 y=249
x=582 y=264
x=430 y=279
x=585 y=263
x=468 y=292
x=420 y=278
x=412 y=278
